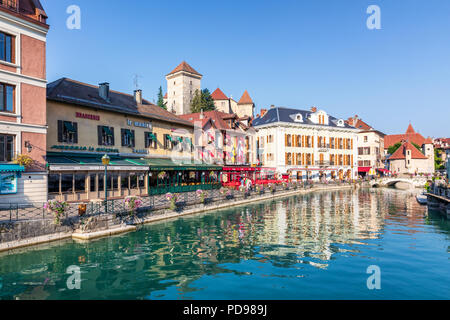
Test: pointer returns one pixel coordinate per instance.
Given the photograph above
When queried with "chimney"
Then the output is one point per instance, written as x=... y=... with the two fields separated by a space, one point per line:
x=138 y=96
x=201 y=114
x=263 y=112
x=103 y=90
x=313 y=109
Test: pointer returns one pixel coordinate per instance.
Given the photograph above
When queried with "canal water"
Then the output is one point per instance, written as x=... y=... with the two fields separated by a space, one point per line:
x=315 y=246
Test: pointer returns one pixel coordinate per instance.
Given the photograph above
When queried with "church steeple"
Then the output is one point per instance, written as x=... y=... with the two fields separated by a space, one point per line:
x=410 y=129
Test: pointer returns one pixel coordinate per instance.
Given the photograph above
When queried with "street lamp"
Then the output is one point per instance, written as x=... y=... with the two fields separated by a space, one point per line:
x=105 y=161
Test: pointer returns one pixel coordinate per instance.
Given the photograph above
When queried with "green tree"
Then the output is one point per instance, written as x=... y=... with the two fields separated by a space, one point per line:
x=438 y=163
x=394 y=147
x=202 y=101
x=161 y=102
x=417 y=146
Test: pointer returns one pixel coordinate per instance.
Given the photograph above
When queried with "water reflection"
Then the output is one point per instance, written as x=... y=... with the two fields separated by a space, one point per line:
x=288 y=238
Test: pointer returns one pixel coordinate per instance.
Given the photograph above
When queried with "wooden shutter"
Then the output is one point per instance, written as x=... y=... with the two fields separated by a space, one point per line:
x=60 y=131
x=75 y=134
x=146 y=136
x=99 y=135
x=312 y=159
x=133 y=144
x=155 y=142
x=122 y=135
x=312 y=141
x=352 y=146
x=285 y=140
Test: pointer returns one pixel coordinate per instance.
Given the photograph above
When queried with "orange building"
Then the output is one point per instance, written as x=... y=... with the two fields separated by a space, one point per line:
x=23 y=125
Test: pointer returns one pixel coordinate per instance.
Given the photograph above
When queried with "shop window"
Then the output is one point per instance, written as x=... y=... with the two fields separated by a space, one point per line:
x=66 y=183
x=127 y=138
x=6 y=148
x=133 y=181
x=53 y=183
x=141 y=181
x=124 y=182
x=67 y=132
x=114 y=181
x=80 y=183
x=92 y=181
x=105 y=136
x=7 y=100
x=7 y=47
x=101 y=182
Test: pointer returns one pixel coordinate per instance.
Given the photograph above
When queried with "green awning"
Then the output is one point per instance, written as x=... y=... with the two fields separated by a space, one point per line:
x=129 y=133
x=87 y=160
x=11 y=168
x=107 y=131
x=69 y=126
x=170 y=165
x=168 y=137
x=152 y=136
x=180 y=139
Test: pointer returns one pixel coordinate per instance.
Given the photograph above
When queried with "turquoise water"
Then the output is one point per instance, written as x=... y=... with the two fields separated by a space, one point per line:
x=315 y=246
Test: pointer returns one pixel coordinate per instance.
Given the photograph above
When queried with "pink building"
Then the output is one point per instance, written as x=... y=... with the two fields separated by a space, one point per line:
x=23 y=125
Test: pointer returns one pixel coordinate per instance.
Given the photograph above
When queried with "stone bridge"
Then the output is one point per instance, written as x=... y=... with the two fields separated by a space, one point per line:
x=400 y=183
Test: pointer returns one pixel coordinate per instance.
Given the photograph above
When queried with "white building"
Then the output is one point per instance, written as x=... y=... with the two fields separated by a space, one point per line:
x=306 y=144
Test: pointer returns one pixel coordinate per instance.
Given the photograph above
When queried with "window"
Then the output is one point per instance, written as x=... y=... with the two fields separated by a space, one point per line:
x=67 y=132
x=168 y=142
x=127 y=138
x=7 y=101
x=7 y=47
x=53 y=183
x=151 y=140
x=365 y=138
x=6 y=148
x=105 y=136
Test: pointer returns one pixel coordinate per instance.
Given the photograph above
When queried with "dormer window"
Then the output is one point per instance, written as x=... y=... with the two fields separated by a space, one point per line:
x=340 y=123
x=298 y=118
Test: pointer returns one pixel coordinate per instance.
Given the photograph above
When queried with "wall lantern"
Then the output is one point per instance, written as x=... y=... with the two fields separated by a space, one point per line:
x=28 y=146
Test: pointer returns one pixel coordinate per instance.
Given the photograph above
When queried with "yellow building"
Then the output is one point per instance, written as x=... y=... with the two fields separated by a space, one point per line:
x=142 y=140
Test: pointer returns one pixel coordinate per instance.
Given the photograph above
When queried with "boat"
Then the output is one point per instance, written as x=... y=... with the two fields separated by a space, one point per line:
x=421 y=198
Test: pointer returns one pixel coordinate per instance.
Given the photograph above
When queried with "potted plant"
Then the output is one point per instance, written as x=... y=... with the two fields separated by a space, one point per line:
x=132 y=204
x=172 y=198
x=57 y=208
x=82 y=209
x=23 y=160
x=201 y=194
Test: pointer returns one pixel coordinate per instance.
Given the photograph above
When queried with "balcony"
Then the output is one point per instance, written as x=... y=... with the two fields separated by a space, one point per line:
x=324 y=163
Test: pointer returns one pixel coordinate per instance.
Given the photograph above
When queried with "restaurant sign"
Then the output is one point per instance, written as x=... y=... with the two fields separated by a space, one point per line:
x=147 y=125
x=87 y=116
x=8 y=183
x=81 y=148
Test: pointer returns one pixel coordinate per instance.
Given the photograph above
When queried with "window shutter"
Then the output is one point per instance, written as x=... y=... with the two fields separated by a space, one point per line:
x=146 y=140
x=133 y=141
x=155 y=143
x=122 y=134
x=312 y=141
x=312 y=159
x=352 y=146
x=75 y=134
x=112 y=138
x=99 y=135
x=60 y=131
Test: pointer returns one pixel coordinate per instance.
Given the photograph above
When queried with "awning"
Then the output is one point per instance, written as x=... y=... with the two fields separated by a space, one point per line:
x=88 y=162
x=383 y=170
x=152 y=136
x=180 y=139
x=158 y=164
x=129 y=133
x=69 y=126
x=107 y=131
x=11 y=168
x=168 y=137
x=364 y=169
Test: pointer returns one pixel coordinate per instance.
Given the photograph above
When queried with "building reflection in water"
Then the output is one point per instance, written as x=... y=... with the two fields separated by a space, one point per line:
x=305 y=229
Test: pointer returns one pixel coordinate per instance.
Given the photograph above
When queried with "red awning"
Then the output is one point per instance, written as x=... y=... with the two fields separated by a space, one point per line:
x=383 y=170
x=364 y=169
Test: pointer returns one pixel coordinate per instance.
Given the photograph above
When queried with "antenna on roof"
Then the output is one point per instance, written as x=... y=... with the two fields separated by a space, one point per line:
x=136 y=81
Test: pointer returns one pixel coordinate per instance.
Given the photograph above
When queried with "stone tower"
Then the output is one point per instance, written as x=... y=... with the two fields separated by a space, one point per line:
x=182 y=83
x=245 y=107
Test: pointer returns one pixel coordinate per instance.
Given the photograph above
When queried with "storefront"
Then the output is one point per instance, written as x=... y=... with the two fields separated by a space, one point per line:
x=10 y=174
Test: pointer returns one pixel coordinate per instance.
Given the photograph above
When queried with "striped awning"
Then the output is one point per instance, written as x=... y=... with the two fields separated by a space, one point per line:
x=11 y=168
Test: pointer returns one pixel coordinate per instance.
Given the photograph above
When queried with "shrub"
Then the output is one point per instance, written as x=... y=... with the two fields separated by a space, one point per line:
x=57 y=208
x=173 y=200
x=24 y=160
x=132 y=203
x=201 y=194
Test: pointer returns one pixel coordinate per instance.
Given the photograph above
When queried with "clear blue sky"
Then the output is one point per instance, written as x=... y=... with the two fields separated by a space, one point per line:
x=287 y=53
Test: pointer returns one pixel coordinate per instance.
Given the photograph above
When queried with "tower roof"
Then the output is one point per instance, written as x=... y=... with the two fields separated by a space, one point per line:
x=219 y=95
x=400 y=153
x=410 y=129
x=184 y=66
x=245 y=99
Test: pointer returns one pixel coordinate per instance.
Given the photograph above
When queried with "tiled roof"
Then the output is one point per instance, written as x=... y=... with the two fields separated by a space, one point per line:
x=359 y=124
x=217 y=117
x=400 y=153
x=74 y=92
x=245 y=99
x=165 y=96
x=282 y=114
x=410 y=136
x=184 y=66
x=219 y=95
x=30 y=10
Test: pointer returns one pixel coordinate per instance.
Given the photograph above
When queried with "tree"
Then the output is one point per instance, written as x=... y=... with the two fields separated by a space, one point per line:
x=202 y=101
x=394 y=148
x=161 y=102
x=438 y=163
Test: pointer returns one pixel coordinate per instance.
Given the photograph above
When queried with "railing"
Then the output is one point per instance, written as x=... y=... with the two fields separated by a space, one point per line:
x=10 y=4
x=17 y=213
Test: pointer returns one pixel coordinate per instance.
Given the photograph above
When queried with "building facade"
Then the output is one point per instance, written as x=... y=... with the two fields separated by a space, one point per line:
x=370 y=143
x=404 y=159
x=306 y=144
x=90 y=121
x=23 y=123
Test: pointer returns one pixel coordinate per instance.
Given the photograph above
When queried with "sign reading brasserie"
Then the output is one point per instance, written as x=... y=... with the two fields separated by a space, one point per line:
x=87 y=116
x=140 y=124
